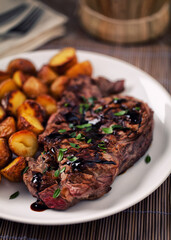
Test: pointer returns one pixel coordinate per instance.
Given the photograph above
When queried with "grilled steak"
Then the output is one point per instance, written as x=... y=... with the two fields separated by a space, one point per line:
x=87 y=143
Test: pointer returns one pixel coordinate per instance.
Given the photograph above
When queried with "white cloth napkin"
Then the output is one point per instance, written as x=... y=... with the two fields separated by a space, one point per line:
x=48 y=27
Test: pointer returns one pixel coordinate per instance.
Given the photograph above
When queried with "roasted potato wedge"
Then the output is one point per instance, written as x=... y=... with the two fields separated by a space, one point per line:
x=12 y=101
x=2 y=114
x=13 y=172
x=83 y=68
x=47 y=75
x=62 y=61
x=6 y=87
x=23 y=65
x=48 y=103
x=19 y=78
x=23 y=143
x=7 y=127
x=33 y=87
x=30 y=123
x=32 y=108
x=4 y=75
x=5 y=153
x=58 y=86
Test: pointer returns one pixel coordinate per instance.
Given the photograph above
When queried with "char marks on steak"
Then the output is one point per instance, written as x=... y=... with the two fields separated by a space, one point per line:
x=90 y=139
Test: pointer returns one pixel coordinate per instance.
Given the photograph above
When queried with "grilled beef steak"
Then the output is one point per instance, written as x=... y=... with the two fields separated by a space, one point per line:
x=87 y=143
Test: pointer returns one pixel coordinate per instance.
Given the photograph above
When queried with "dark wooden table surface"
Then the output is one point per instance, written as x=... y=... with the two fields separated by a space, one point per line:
x=147 y=220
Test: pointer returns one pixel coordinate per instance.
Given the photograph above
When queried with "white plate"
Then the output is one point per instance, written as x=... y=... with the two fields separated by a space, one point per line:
x=129 y=188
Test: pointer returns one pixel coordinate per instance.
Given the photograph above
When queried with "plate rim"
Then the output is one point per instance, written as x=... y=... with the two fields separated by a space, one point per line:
x=106 y=213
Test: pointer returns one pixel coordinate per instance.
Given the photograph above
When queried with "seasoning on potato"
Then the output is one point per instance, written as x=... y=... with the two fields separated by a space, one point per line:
x=7 y=127
x=23 y=143
x=5 y=153
x=13 y=171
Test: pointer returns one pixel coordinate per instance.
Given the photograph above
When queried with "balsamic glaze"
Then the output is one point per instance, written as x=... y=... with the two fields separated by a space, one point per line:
x=38 y=206
x=71 y=117
x=36 y=180
x=134 y=116
x=119 y=101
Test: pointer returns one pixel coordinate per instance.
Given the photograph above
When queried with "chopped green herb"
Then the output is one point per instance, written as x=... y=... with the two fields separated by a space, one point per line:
x=121 y=113
x=137 y=108
x=98 y=109
x=57 y=172
x=115 y=99
x=62 y=130
x=88 y=129
x=91 y=100
x=74 y=145
x=71 y=125
x=14 y=195
x=80 y=137
x=73 y=134
x=148 y=159
x=84 y=99
x=86 y=125
x=83 y=107
x=25 y=170
x=108 y=130
x=43 y=152
x=62 y=170
x=72 y=158
x=66 y=104
x=102 y=146
x=60 y=156
x=56 y=193
x=63 y=149
x=45 y=170
x=89 y=140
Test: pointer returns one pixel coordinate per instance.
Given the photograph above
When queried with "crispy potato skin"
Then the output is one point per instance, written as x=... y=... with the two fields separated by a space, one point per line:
x=30 y=123
x=64 y=60
x=7 y=127
x=58 y=86
x=33 y=87
x=23 y=65
x=47 y=75
x=32 y=108
x=5 y=153
x=19 y=78
x=6 y=87
x=2 y=114
x=83 y=68
x=23 y=143
x=4 y=75
x=12 y=101
x=13 y=172
x=48 y=103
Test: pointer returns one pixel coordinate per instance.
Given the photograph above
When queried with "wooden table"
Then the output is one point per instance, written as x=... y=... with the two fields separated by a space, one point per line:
x=147 y=220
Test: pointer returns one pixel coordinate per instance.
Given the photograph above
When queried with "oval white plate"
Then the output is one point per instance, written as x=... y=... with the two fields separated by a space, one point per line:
x=129 y=188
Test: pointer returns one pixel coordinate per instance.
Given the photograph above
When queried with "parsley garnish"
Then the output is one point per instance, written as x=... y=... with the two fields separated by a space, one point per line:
x=62 y=170
x=86 y=125
x=102 y=146
x=25 y=170
x=73 y=134
x=148 y=159
x=98 y=109
x=121 y=113
x=57 y=172
x=110 y=129
x=80 y=137
x=62 y=130
x=91 y=100
x=72 y=158
x=89 y=140
x=63 y=149
x=71 y=125
x=74 y=145
x=56 y=193
x=66 y=104
x=60 y=155
x=137 y=108
x=14 y=195
x=83 y=107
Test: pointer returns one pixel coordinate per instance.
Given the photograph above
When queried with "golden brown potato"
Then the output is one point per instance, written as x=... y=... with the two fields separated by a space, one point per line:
x=4 y=75
x=33 y=87
x=30 y=123
x=7 y=127
x=19 y=78
x=13 y=172
x=83 y=68
x=47 y=75
x=62 y=61
x=48 y=103
x=2 y=114
x=21 y=64
x=32 y=108
x=12 y=101
x=58 y=86
x=6 y=87
x=5 y=153
x=23 y=143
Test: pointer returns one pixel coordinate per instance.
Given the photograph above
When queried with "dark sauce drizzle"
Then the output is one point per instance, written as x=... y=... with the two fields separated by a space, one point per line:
x=38 y=206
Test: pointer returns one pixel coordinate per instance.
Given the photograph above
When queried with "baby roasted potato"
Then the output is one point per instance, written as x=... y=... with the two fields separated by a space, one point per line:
x=19 y=78
x=23 y=143
x=47 y=75
x=33 y=87
x=4 y=75
x=5 y=153
x=48 y=103
x=32 y=108
x=13 y=172
x=2 y=114
x=30 y=123
x=12 y=101
x=62 y=61
x=23 y=65
x=7 y=127
x=58 y=86
x=83 y=68
x=6 y=87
